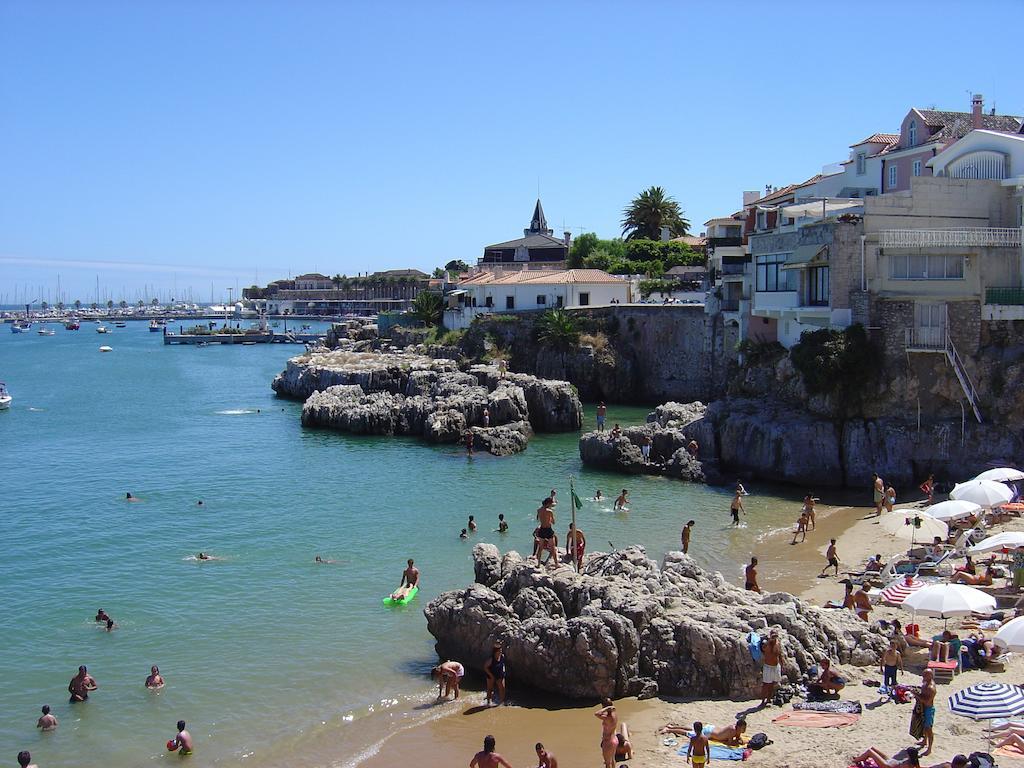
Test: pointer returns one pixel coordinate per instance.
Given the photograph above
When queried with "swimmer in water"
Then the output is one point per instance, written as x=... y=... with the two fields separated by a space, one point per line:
x=204 y=556
x=128 y=497
x=199 y=503
x=111 y=626
x=598 y=496
x=155 y=680
x=82 y=685
x=472 y=523
x=463 y=535
x=622 y=500
x=319 y=560
x=101 y=615
x=47 y=722
x=183 y=741
x=502 y=525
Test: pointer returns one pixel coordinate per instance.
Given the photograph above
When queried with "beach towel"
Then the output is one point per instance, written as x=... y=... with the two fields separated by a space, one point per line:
x=850 y=707
x=1010 y=752
x=720 y=752
x=798 y=719
x=754 y=645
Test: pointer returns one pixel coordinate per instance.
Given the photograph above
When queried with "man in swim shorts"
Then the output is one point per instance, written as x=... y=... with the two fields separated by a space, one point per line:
x=546 y=532
x=183 y=741
x=926 y=700
x=878 y=491
x=771 y=669
x=832 y=555
x=602 y=412
x=81 y=685
x=697 y=752
x=575 y=545
x=750 y=576
x=488 y=758
x=621 y=501
x=687 y=530
x=410 y=578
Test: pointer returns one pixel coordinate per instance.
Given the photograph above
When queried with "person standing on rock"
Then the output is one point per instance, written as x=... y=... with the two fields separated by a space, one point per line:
x=546 y=532
x=487 y=418
x=602 y=412
x=878 y=490
x=771 y=669
x=609 y=725
x=645 y=448
x=488 y=758
x=832 y=555
x=575 y=545
x=687 y=529
x=751 y=577
x=736 y=507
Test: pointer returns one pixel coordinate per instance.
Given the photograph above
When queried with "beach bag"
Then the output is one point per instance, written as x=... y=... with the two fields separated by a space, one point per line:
x=902 y=694
x=754 y=644
x=917 y=722
x=759 y=740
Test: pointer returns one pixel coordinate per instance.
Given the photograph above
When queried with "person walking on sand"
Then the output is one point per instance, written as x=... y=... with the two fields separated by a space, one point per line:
x=809 y=502
x=928 y=489
x=494 y=668
x=487 y=757
x=890 y=498
x=771 y=667
x=892 y=660
x=82 y=685
x=602 y=413
x=687 y=531
x=832 y=556
x=801 y=526
x=750 y=574
x=926 y=702
x=878 y=491
x=699 y=751
x=47 y=722
x=545 y=759
x=609 y=725
x=736 y=507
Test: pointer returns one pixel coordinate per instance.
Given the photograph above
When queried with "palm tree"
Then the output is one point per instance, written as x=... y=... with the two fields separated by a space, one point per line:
x=558 y=329
x=110 y=304
x=651 y=210
x=78 y=304
x=428 y=308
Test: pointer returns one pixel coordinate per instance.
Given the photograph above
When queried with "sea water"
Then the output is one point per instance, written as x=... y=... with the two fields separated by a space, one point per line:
x=262 y=649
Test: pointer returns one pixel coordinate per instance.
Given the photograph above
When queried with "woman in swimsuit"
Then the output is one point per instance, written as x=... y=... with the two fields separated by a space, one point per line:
x=449 y=674
x=609 y=723
x=884 y=761
x=494 y=668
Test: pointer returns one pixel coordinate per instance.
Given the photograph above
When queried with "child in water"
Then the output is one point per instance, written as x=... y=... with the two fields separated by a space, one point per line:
x=463 y=535
x=472 y=523
x=502 y=525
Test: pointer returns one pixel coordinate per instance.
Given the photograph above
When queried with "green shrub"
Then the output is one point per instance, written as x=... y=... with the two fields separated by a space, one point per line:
x=761 y=352
x=843 y=362
x=558 y=329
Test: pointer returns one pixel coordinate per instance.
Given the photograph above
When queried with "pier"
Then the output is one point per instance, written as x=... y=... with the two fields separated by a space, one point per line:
x=246 y=337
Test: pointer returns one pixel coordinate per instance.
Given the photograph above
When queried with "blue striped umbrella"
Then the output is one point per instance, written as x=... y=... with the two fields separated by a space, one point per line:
x=987 y=701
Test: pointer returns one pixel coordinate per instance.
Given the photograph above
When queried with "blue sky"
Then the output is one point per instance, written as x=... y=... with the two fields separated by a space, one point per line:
x=208 y=142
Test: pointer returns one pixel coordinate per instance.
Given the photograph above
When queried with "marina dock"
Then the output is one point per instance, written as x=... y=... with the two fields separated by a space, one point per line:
x=248 y=337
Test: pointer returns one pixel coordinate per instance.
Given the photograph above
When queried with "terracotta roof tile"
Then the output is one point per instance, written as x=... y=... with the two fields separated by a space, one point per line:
x=542 y=277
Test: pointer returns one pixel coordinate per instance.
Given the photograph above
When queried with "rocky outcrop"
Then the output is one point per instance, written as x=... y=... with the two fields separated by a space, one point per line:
x=669 y=454
x=406 y=394
x=624 y=626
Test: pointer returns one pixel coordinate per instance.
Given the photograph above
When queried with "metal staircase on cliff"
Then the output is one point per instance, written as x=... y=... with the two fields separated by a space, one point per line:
x=927 y=342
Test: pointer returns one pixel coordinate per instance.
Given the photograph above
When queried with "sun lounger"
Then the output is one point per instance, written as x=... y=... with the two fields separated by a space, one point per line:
x=944 y=670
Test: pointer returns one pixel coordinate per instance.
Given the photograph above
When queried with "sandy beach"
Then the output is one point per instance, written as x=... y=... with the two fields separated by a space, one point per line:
x=573 y=734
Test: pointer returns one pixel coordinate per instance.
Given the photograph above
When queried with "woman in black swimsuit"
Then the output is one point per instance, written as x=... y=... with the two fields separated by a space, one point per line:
x=494 y=668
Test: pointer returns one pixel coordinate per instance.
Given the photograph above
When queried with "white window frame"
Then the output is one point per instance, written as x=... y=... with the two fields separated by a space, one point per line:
x=893 y=175
x=932 y=266
x=917 y=168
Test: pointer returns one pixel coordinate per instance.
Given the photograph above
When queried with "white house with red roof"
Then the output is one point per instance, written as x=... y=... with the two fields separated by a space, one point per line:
x=490 y=291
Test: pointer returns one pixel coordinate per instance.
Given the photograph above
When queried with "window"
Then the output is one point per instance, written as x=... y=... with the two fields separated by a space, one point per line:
x=542 y=299
x=510 y=302
x=558 y=301
x=584 y=299
x=927 y=267
x=917 y=167
x=762 y=220
x=770 y=277
x=817 y=289
x=912 y=133
x=862 y=163
x=892 y=176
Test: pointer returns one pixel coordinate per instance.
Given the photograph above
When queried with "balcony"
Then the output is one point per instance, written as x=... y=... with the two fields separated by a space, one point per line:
x=1005 y=296
x=965 y=237
x=714 y=242
x=732 y=269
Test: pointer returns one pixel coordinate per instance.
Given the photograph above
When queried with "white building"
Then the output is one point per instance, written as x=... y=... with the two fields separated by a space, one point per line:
x=489 y=292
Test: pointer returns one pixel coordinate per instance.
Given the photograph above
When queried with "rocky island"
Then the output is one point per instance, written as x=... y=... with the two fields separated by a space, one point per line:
x=626 y=627
x=405 y=393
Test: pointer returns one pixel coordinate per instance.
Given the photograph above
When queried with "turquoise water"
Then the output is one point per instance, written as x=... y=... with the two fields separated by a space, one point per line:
x=261 y=647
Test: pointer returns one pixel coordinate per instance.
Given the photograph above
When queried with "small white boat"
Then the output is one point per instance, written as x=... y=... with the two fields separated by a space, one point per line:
x=46 y=332
x=120 y=324
x=106 y=349
x=154 y=326
x=21 y=326
x=103 y=329
x=5 y=397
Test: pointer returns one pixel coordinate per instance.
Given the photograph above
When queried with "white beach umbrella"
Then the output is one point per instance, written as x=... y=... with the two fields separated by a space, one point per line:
x=899 y=590
x=987 y=493
x=1004 y=540
x=1001 y=475
x=987 y=701
x=944 y=601
x=951 y=510
x=913 y=527
x=1011 y=635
